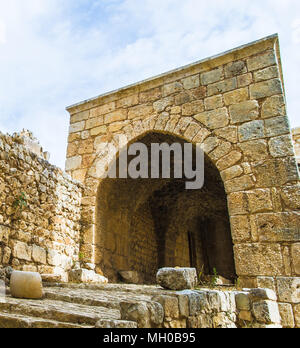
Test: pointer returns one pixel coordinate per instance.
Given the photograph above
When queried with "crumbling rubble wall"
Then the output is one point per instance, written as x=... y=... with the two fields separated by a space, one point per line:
x=39 y=209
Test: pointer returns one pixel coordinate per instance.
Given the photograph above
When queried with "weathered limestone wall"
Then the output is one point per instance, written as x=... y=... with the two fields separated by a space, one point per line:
x=39 y=211
x=296 y=138
x=129 y=244
x=143 y=244
x=205 y=308
x=198 y=233
x=234 y=105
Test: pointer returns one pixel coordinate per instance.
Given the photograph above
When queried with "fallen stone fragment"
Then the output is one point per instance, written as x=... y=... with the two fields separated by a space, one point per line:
x=86 y=276
x=217 y=280
x=51 y=278
x=130 y=277
x=27 y=285
x=177 y=278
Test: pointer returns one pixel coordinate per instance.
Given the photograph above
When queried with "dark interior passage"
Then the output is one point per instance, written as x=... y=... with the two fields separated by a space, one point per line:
x=145 y=224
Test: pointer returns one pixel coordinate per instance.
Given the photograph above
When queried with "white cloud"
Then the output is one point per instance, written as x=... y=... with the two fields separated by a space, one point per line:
x=61 y=52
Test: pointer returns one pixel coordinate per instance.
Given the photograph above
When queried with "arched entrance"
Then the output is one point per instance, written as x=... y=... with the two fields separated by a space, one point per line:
x=145 y=224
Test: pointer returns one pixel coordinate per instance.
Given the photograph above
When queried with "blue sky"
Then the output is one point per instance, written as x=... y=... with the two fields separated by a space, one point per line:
x=54 y=53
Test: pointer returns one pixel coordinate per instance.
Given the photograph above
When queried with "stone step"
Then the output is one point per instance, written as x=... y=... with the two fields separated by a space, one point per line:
x=108 y=296
x=18 y=321
x=86 y=300
x=59 y=311
x=148 y=290
x=76 y=304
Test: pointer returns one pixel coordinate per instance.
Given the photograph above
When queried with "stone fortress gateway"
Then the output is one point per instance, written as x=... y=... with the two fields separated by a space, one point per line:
x=244 y=223
x=246 y=219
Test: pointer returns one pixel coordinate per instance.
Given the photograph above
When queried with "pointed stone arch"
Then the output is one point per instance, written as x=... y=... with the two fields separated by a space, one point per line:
x=120 y=243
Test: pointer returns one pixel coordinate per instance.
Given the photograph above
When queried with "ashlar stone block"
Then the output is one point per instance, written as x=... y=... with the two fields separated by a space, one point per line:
x=237 y=96
x=235 y=68
x=267 y=312
x=214 y=119
x=276 y=126
x=273 y=106
x=288 y=289
x=278 y=227
x=266 y=283
x=251 y=130
x=255 y=150
x=275 y=172
x=212 y=76
x=265 y=89
x=232 y=172
x=222 y=86
x=287 y=315
x=243 y=302
x=258 y=259
x=266 y=74
x=262 y=294
x=214 y=102
x=191 y=82
x=281 y=146
x=229 y=160
x=295 y=250
x=244 y=111
x=261 y=61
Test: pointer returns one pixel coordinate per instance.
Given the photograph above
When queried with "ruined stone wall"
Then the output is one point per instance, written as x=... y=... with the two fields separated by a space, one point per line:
x=39 y=210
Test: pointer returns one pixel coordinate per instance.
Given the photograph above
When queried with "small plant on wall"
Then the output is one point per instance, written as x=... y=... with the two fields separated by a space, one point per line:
x=214 y=279
x=81 y=256
x=210 y=281
x=19 y=204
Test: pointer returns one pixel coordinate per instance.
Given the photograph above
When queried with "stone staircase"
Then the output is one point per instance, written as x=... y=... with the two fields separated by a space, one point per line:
x=74 y=306
x=139 y=306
